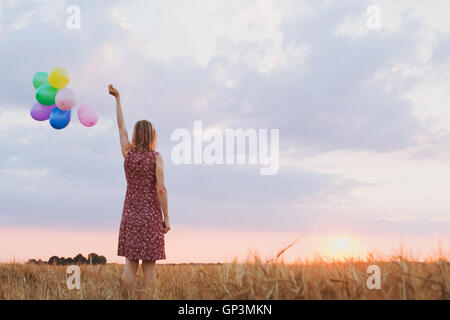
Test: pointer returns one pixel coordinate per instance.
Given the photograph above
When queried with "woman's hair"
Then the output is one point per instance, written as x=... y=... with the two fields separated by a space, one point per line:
x=144 y=136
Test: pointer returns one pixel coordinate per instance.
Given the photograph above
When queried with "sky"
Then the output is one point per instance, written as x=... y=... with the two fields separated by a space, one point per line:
x=363 y=116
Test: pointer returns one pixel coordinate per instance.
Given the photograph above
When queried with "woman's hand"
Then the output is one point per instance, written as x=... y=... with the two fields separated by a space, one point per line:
x=113 y=91
x=166 y=225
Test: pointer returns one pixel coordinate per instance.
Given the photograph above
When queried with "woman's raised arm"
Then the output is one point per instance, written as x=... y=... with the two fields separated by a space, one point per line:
x=123 y=133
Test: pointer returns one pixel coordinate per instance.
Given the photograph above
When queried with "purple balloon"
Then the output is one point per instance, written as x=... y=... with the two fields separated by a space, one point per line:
x=40 y=112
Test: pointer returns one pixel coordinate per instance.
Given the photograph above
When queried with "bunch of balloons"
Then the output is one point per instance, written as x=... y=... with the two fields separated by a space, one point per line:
x=55 y=102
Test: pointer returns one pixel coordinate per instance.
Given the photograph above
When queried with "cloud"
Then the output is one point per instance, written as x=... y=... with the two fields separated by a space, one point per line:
x=347 y=108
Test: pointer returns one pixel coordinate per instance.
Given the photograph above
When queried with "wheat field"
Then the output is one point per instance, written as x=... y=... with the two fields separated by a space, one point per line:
x=401 y=278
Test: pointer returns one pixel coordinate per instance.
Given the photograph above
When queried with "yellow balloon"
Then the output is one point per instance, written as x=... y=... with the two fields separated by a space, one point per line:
x=58 y=78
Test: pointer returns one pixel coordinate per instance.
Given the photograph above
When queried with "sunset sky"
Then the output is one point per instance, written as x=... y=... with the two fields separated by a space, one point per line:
x=363 y=114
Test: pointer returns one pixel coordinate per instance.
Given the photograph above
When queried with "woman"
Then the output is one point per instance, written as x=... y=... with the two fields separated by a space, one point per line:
x=142 y=228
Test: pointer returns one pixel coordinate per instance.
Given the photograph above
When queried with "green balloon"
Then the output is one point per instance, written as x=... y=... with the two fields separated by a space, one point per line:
x=46 y=95
x=40 y=79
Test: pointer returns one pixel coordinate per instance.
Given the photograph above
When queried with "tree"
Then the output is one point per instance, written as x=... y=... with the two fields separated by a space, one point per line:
x=96 y=259
x=80 y=259
x=53 y=260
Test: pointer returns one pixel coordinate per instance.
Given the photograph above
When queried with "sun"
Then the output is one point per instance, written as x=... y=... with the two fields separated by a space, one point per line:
x=341 y=247
x=342 y=244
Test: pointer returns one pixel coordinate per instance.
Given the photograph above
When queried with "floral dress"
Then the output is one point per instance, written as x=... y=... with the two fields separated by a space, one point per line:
x=141 y=233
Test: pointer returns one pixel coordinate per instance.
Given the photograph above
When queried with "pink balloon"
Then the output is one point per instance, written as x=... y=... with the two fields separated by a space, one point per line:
x=87 y=114
x=66 y=99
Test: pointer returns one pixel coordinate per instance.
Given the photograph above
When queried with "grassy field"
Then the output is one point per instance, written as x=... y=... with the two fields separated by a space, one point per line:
x=255 y=279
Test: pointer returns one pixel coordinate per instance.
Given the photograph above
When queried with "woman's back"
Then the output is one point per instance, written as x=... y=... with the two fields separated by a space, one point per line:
x=140 y=168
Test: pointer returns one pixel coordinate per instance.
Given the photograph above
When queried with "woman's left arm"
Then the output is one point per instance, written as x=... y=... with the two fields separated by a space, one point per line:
x=162 y=191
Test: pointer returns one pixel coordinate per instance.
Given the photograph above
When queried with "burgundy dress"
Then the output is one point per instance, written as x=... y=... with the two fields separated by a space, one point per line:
x=141 y=234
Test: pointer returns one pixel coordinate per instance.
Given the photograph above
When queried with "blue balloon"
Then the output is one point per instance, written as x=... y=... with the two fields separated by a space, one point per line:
x=59 y=119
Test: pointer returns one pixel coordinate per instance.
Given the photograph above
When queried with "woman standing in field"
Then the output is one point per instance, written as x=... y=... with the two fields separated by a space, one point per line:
x=142 y=228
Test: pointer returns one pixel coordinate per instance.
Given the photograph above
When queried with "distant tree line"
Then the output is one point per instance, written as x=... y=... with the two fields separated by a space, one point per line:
x=92 y=259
